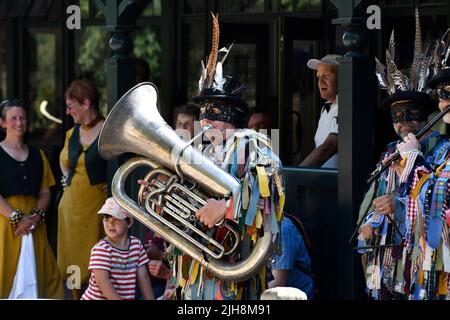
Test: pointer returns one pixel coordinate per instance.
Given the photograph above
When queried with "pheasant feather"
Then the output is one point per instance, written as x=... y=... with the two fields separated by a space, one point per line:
x=415 y=68
x=425 y=67
x=380 y=71
x=227 y=52
x=437 y=58
x=391 y=69
x=391 y=47
x=401 y=81
x=212 y=60
x=446 y=49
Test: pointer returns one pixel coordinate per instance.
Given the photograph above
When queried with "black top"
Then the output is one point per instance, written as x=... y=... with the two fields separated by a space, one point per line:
x=96 y=166
x=21 y=177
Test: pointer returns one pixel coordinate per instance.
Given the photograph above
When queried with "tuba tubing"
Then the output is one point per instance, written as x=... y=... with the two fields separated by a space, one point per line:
x=240 y=271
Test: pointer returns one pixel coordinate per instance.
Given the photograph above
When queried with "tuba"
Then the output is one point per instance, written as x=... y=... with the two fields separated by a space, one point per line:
x=180 y=181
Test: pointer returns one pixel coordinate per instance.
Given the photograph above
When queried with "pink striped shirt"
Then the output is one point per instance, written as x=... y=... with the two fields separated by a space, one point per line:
x=122 y=266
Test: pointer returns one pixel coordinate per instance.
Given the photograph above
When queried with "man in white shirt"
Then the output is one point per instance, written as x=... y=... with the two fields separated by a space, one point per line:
x=326 y=139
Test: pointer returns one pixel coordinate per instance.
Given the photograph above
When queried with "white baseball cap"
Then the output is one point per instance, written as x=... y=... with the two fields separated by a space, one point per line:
x=328 y=59
x=112 y=208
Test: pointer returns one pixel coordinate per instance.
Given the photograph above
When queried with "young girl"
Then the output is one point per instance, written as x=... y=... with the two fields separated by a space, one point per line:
x=118 y=261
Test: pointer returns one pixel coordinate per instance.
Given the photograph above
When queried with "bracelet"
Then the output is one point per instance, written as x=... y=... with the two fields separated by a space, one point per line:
x=64 y=178
x=40 y=213
x=15 y=217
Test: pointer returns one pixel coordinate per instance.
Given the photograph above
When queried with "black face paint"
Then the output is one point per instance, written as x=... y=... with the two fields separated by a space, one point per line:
x=408 y=111
x=220 y=111
x=443 y=94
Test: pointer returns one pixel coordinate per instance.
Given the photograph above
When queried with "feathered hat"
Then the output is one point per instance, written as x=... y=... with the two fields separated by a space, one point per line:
x=398 y=85
x=441 y=62
x=213 y=84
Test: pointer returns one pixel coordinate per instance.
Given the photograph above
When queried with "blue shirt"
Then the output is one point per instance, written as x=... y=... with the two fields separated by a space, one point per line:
x=293 y=250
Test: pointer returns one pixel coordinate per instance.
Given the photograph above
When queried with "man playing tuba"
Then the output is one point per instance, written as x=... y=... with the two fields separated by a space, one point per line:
x=248 y=157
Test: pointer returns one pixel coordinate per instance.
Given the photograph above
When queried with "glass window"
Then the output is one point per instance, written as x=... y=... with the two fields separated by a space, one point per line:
x=308 y=4
x=194 y=6
x=304 y=111
x=228 y=6
x=90 y=10
x=39 y=8
x=91 y=59
x=188 y=6
x=242 y=63
x=2 y=60
x=296 y=5
x=44 y=113
x=287 y=5
x=252 y=6
x=432 y=2
x=84 y=6
x=398 y=2
x=94 y=11
x=242 y=6
x=147 y=45
x=152 y=9
x=196 y=49
x=157 y=7
x=199 y=6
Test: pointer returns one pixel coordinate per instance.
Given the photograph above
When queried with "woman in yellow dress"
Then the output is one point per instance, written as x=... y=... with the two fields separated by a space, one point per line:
x=84 y=180
x=25 y=178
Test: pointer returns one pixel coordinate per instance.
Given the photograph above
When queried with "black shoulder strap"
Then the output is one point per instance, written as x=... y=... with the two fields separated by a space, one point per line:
x=301 y=229
x=299 y=225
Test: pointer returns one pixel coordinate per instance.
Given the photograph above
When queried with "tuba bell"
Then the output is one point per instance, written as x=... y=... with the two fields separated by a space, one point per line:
x=180 y=180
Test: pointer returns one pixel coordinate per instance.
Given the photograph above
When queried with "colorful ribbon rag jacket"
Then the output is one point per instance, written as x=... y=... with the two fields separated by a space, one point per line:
x=426 y=255
x=262 y=202
x=383 y=262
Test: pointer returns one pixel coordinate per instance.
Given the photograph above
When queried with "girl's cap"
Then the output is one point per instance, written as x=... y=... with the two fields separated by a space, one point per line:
x=112 y=208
